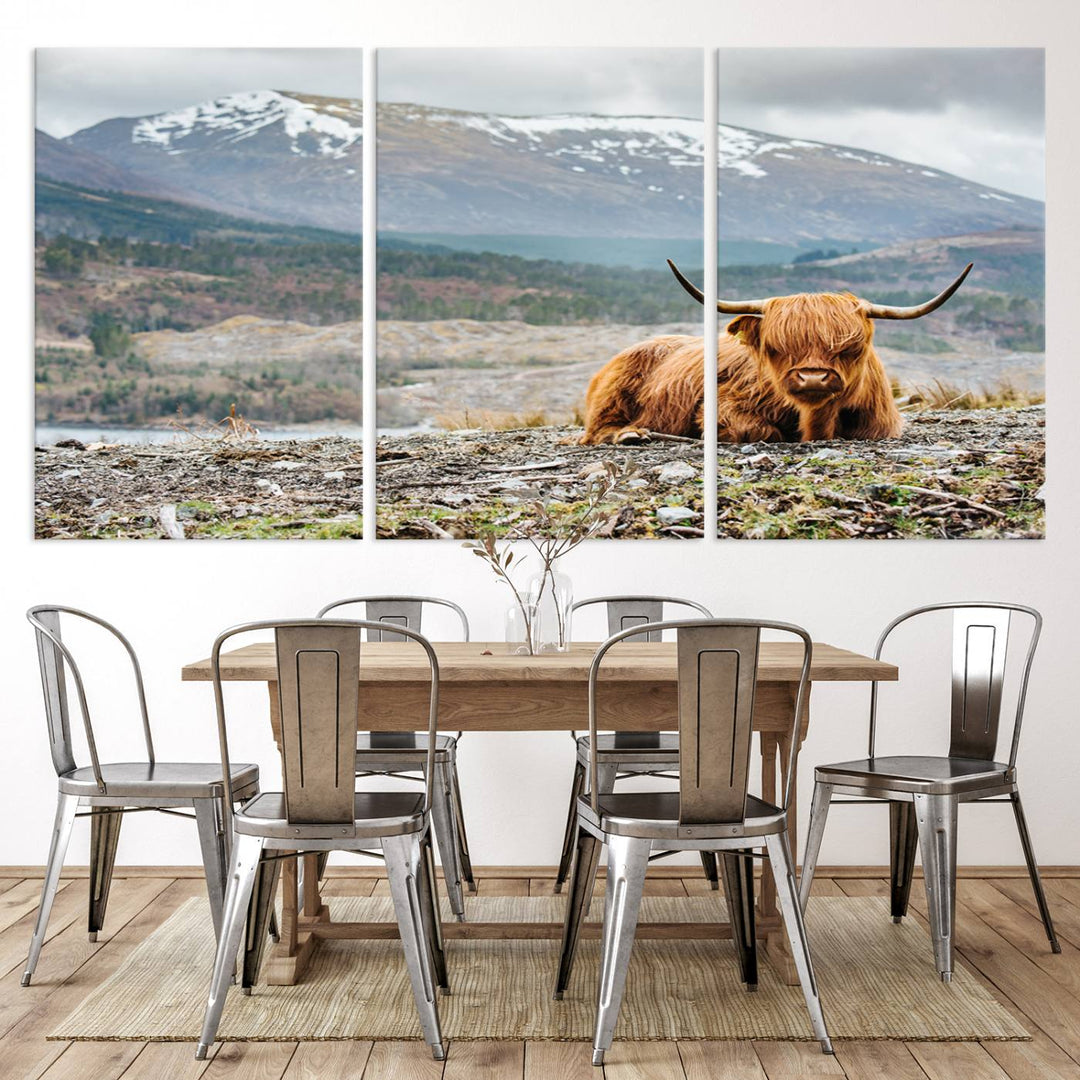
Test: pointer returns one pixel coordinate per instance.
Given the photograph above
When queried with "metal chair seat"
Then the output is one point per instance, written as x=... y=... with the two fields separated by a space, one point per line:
x=375 y=813
x=159 y=779
x=630 y=748
x=654 y=815
x=925 y=775
x=383 y=748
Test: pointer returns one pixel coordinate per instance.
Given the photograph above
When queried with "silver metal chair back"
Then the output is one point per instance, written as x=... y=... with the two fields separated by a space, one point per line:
x=53 y=658
x=318 y=684
x=980 y=643
x=404 y=611
x=717 y=675
x=624 y=612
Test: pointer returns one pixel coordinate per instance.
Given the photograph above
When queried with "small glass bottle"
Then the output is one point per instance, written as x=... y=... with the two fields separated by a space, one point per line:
x=521 y=629
x=553 y=595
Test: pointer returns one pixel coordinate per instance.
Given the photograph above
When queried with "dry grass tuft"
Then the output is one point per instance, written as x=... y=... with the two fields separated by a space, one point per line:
x=490 y=420
x=234 y=426
x=944 y=395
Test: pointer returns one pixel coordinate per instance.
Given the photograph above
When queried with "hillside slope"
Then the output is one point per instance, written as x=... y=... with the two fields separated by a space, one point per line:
x=295 y=158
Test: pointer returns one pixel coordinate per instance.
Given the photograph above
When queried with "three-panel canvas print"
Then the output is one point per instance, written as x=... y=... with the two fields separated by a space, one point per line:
x=539 y=255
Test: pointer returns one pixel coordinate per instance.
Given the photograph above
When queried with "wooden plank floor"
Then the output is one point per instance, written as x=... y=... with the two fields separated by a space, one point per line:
x=998 y=935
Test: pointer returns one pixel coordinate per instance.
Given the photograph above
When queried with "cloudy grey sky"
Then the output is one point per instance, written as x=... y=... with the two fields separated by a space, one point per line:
x=654 y=82
x=978 y=113
x=80 y=87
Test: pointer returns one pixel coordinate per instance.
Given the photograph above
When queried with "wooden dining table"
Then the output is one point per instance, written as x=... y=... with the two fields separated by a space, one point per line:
x=483 y=687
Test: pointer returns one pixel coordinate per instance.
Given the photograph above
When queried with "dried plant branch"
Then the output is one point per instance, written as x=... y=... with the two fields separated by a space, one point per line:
x=552 y=534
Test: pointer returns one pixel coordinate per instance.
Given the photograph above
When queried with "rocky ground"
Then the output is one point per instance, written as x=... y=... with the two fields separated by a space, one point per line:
x=952 y=474
x=454 y=484
x=200 y=488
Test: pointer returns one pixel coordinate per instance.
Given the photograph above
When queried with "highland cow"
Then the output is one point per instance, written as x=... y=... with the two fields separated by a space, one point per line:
x=789 y=369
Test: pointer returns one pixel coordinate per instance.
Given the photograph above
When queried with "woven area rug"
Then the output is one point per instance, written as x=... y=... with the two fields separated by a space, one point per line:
x=877 y=981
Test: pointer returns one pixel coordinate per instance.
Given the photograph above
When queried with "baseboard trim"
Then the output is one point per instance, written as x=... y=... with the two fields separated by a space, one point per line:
x=668 y=871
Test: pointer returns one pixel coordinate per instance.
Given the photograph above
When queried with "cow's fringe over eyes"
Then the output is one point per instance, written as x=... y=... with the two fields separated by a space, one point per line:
x=801 y=324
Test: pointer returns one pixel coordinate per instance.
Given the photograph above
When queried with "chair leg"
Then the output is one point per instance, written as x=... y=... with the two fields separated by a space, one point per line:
x=1033 y=871
x=739 y=893
x=428 y=891
x=819 y=812
x=246 y=856
x=464 y=858
x=105 y=825
x=582 y=880
x=66 y=806
x=628 y=860
x=787 y=897
x=712 y=873
x=442 y=820
x=903 y=841
x=271 y=922
x=403 y=869
x=606 y=775
x=566 y=859
x=936 y=818
x=259 y=913
x=212 y=841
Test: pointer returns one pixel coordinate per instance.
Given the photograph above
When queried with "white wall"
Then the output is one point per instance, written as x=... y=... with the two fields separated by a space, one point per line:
x=173 y=598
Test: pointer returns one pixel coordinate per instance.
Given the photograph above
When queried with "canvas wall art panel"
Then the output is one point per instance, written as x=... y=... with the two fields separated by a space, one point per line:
x=892 y=406
x=198 y=288
x=528 y=200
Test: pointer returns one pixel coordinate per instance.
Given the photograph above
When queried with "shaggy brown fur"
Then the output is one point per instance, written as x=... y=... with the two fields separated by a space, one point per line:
x=804 y=370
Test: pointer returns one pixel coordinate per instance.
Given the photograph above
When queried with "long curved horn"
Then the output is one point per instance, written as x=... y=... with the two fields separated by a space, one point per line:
x=884 y=311
x=725 y=307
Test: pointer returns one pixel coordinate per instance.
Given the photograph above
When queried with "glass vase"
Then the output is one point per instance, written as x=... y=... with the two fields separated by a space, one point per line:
x=521 y=623
x=553 y=595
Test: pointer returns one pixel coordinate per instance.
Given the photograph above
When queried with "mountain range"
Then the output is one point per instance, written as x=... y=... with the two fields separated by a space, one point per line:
x=272 y=155
x=295 y=159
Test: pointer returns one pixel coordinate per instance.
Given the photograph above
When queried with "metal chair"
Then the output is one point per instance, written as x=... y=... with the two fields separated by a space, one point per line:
x=924 y=793
x=110 y=790
x=402 y=754
x=627 y=753
x=318 y=662
x=711 y=811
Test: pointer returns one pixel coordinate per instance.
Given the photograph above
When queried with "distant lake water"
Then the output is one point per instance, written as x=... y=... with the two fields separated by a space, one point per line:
x=48 y=434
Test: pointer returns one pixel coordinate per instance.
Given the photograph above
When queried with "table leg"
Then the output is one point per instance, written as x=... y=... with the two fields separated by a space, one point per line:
x=289 y=907
x=312 y=900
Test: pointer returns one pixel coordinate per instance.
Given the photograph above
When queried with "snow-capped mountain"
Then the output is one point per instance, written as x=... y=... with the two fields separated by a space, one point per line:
x=445 y=171
x=269 y=154
x=296 y=158
x=789 y=190
x=313 y=127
